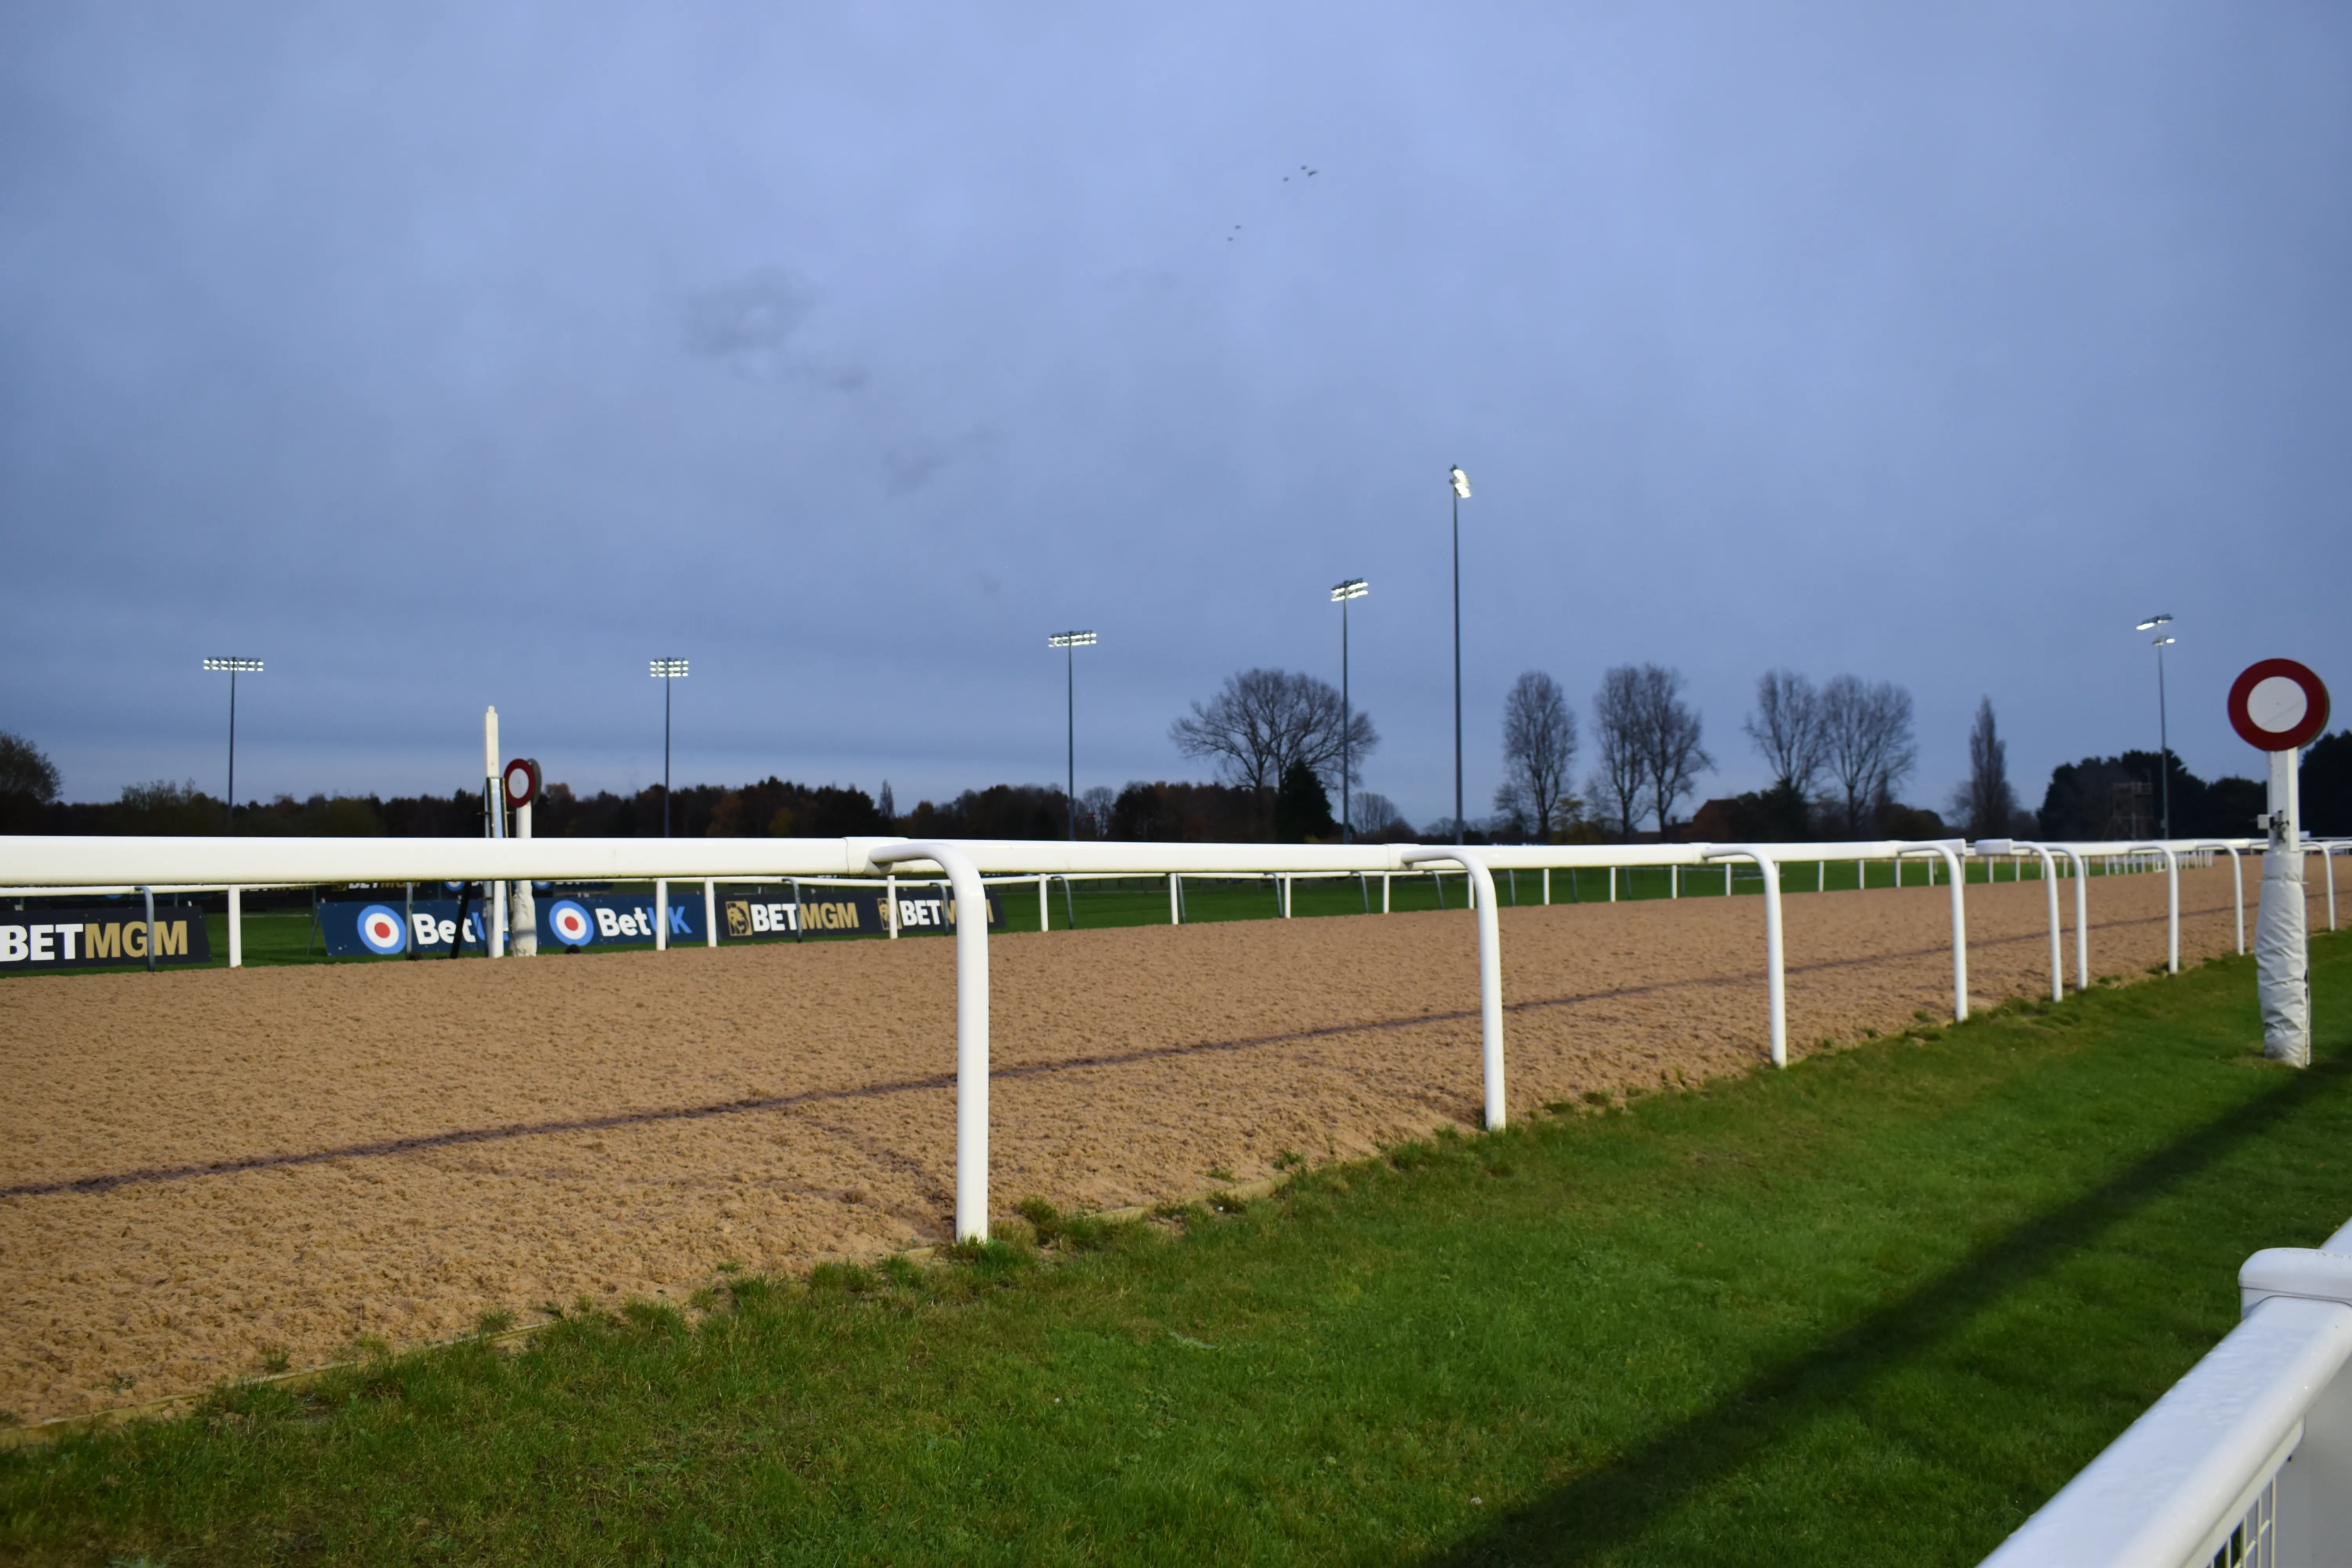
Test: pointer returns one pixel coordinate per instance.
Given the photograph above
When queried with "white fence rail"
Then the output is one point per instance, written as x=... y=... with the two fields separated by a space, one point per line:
x=2247 y=1459
x=30 y=865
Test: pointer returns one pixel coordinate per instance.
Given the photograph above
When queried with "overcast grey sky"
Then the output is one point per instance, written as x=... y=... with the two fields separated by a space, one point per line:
x=472 y=354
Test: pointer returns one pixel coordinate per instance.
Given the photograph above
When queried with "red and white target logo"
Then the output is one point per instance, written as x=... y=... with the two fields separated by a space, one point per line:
x=573 y=925
x=522 y=779
x=2278 y=705
x=382 y=930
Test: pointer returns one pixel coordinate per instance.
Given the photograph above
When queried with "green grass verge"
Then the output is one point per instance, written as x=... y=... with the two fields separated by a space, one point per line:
x=1872 y=1309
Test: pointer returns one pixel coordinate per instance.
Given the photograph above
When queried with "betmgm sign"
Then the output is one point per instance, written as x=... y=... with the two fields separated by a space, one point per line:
x=841 y=912
x=99 y=938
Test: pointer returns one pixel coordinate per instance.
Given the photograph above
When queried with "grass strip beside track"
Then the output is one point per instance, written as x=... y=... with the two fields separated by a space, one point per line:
x=1872 y=1309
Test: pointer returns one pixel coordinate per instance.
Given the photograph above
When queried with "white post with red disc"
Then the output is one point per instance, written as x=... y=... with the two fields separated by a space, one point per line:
x=2279 y=706
x=494 y=825
x=520 y=784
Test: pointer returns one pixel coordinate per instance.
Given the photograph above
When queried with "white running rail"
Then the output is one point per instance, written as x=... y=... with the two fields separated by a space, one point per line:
x=2246 y=1460
x=43 y=865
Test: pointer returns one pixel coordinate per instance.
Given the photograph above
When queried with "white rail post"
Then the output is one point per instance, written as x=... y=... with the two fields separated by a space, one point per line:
x=1490 y=969
x=661 y=914
x=2237 y=883
x=2327 y=869
x=2057 y=951
x=236 y=929
x=2237 y=895
x=1821 y=875
x=1675 y=880
x=1546 y=881
x=972 y=1023
x=709 y=912
x=2172 y=901
x=1959 y=916
x=2082 y=875
x=1776 y=978
x=1612 y=884
x=1045 y=910
x=1175 y=903
x=1386 y=876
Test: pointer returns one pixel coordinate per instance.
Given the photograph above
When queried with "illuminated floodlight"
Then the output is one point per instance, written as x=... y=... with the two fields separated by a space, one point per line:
x=1066 y=640
x=233 y=668
x=1461 y=484
x=2163 y=725
x=666 y=671
x=1354 y=588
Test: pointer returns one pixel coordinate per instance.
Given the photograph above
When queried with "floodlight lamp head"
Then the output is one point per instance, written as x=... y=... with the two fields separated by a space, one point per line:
x=234 y=666
x=2162 y=642
x=1071 y=639
x=668 y=668
x=2153 y=622
x=1354 y=588
x=1461 y=484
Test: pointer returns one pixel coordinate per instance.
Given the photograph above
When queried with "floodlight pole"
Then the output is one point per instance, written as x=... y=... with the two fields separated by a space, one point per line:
x=668 y=671
x=2163 y=741
x=1354 y=588
x=232 y=751
x=233 y=667
x=1461 y=482
x=1069 y=643
x=2163 y=732
x=1070 y=721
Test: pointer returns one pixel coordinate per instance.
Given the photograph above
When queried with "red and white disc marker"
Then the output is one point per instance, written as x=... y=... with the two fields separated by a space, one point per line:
x=2278 y=705
x=521 y=782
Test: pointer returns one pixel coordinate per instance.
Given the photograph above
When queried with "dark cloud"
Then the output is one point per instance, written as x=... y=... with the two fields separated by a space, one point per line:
x=749 y=323
x=748 y=320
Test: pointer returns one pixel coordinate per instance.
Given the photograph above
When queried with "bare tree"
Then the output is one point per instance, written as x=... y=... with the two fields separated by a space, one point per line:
x=1666 y=736
x=1787 y=727
x=1986 y=803
x=1866 y=743
x=1619 y=780
x=1094 y=809
x=1262 y=720
x=1377 y=815
x=1539 y=747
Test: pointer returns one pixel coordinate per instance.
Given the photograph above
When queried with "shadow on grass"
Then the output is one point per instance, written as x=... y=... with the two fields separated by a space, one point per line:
x=1596 y=1516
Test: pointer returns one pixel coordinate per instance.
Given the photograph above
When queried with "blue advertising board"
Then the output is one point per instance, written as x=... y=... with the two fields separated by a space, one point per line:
x=428 y=927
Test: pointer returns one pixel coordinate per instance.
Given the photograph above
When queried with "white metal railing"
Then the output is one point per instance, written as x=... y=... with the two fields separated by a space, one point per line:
x=2247 y=1459
x=64 y=865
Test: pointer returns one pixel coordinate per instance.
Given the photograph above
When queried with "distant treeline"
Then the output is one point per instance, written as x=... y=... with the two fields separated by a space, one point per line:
x=2097 y=798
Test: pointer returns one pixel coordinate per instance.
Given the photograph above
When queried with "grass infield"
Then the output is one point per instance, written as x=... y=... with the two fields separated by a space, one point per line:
x=1872 y=1309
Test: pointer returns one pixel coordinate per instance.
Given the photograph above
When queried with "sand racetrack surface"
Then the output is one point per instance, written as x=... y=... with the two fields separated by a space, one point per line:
x=197 y=1169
